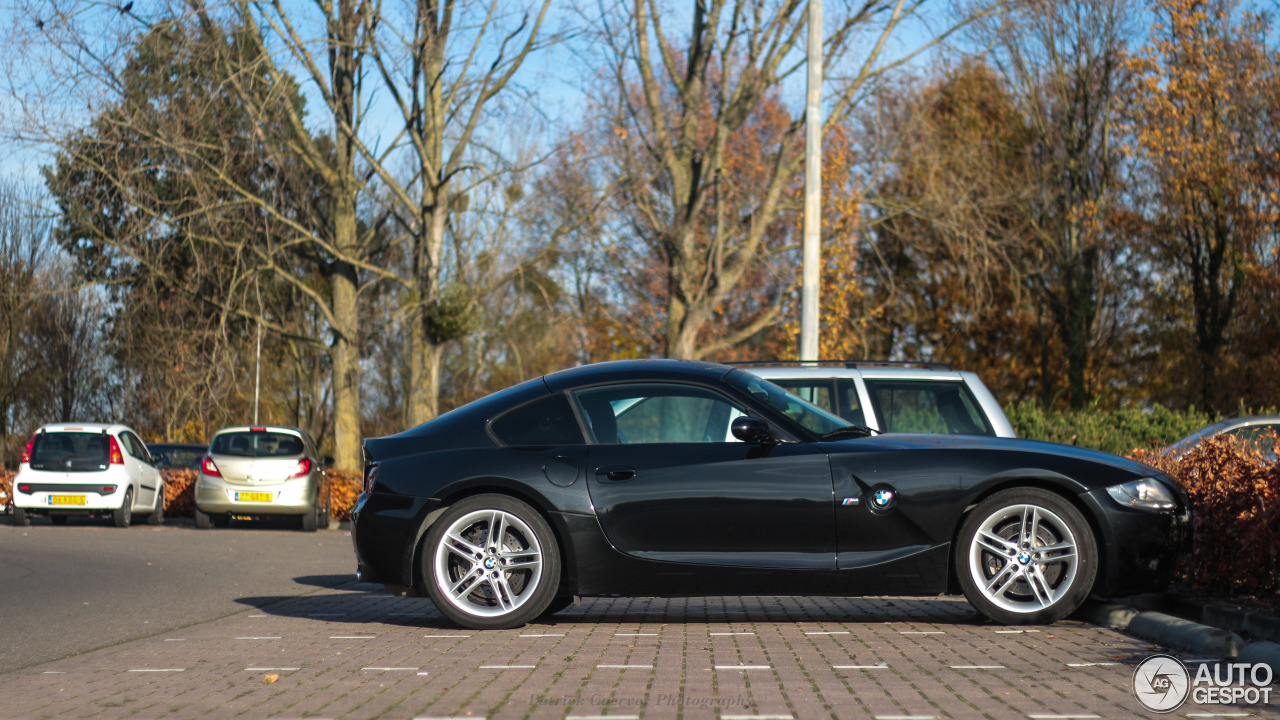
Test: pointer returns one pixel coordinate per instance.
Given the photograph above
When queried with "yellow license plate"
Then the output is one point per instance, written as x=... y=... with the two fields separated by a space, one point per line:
x=253 y=497
x=66 y=499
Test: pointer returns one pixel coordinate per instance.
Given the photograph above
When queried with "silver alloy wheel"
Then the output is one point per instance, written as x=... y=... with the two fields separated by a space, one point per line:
x=1023 y=558
x=488 y=563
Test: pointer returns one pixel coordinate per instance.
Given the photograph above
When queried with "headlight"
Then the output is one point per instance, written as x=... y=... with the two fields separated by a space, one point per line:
x=1144 y=494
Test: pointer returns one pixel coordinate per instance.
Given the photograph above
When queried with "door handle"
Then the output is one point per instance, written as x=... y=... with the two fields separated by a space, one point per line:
x=616 y=473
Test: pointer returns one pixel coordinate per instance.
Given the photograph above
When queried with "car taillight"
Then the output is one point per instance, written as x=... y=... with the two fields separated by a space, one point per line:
x=370 y=477
x=302 y=469
x=257 y=429
x=208 y=468
x=108 y=489
x=26 y=454
x=24 y=488
x=117 y=458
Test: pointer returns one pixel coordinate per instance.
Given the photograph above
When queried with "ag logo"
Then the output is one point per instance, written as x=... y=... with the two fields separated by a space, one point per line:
x=1161 y=683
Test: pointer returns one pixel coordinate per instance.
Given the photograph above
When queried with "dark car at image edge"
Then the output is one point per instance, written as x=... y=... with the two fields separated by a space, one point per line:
x=675 y=478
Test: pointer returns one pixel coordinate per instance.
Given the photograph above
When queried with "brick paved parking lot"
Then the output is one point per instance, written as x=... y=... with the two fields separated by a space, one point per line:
x=354 y=651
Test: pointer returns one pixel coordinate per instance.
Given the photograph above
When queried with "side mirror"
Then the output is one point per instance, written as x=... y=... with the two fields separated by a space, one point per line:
x=752 y=430
x=327 y=461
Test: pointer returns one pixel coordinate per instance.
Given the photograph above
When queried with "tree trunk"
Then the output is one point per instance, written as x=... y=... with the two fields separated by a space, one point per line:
x=345 y=354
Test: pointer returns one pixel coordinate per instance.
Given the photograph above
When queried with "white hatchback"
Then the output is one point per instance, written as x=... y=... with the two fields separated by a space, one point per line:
x=87 y=469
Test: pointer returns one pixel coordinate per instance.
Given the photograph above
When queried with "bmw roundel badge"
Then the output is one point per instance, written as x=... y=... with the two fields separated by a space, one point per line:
x=883 y=499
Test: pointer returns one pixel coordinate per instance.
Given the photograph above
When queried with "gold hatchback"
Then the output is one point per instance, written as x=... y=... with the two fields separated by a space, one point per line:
x=262 y=471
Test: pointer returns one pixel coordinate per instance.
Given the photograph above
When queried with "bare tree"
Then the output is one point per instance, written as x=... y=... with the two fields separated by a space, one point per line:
x=680 y=106
x=26 y=250
x=1064 y=61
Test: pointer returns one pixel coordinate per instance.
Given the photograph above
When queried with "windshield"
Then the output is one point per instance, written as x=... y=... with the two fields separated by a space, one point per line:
x=1194 y=438
x=257 y=444
x=806 y=414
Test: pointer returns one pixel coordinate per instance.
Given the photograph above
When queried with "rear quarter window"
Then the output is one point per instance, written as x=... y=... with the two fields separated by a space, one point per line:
x=547 y=422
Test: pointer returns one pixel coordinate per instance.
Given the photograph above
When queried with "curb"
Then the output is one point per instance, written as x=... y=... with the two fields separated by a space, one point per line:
x=1176 y=632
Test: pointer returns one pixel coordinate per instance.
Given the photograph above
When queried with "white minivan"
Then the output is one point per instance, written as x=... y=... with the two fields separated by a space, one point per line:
x=87 y=469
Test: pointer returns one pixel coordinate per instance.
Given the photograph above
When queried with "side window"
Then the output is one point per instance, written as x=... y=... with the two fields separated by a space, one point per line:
x=127 y=440
x=835 y=395
x=927 y=407
x=657 y=413
x=546 y=422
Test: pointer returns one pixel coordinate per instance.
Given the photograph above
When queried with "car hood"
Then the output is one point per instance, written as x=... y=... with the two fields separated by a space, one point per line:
x=891 y=441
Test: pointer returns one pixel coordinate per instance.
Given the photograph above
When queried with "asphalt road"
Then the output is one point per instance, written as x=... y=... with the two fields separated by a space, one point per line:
x=67 y=590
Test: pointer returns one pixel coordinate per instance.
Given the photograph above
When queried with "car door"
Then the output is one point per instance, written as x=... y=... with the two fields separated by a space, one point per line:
x=142 y=473
x=669 y=482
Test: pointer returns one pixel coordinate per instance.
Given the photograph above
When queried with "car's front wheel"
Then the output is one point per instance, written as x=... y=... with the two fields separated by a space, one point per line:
x=1026 y=556
x=491 y=562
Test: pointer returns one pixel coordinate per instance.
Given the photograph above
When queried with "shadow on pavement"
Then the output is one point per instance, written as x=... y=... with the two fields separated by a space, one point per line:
x=369 y=603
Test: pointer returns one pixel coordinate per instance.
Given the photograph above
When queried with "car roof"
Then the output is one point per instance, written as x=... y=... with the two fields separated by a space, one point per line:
x=623 y=370
x=843 y=364
x=831 y=371
x=261 y=428
x=113 y=428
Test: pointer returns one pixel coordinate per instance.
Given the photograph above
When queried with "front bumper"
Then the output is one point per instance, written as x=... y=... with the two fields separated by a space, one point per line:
x=290 y=497
x=1138 y=549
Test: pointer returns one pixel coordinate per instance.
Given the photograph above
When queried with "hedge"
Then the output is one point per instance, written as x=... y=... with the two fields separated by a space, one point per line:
x=1120 y=432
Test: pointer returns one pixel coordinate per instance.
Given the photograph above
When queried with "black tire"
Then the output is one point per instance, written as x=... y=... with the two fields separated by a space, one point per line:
x=58 y=519
x=308 y=521
x=122 y=516
x=157 y=514
x=21 y=518
x=203 y=521
x=326 y=516
x=1014 y=579
x=464 y=580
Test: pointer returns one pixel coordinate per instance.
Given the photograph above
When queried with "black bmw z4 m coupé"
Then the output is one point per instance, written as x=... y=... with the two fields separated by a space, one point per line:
x=672 y=478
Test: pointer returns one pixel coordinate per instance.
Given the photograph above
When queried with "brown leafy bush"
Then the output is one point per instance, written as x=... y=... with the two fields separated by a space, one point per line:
x=344 y=488
x=1235 y=505
x=6 y=487
x=179 y=492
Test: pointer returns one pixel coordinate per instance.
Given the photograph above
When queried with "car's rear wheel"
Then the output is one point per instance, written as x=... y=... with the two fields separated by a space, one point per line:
x=21 y=518
x=123 y=515
x=491 y=562
x=157 y=514
x=58 y=519
x=325 y=518
x=310 y=519
x=1026 y=557
x=203 y=521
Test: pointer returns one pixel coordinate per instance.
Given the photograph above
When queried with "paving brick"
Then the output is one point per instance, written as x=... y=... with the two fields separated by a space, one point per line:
x=685 y=659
